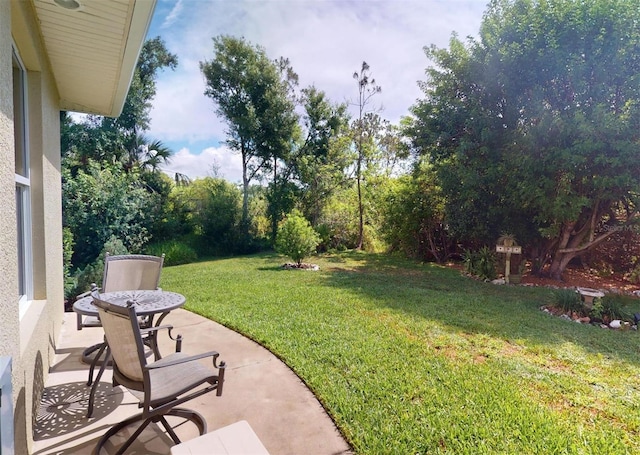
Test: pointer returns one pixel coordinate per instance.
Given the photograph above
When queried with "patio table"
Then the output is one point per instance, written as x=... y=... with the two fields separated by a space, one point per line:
x=148 y=303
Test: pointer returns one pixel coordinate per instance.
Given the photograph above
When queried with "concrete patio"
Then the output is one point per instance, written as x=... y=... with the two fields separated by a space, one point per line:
x=259 y=388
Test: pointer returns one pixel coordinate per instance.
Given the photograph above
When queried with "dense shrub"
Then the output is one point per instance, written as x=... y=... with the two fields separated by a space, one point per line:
x=67 y=253
x=175 y=252
x=414 y=216
x=296 y=238
x=481 y=263
x=104 y=201
x=614 y=306
x=212 y=208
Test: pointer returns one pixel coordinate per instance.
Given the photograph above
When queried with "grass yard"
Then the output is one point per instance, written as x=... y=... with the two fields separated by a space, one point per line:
x=416 y=359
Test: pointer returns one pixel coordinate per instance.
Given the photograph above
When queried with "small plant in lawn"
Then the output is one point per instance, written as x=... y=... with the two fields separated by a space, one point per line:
x=597 y=310
x=614 y=307
x=481 y=263
x=567 y=300
x=296 y=238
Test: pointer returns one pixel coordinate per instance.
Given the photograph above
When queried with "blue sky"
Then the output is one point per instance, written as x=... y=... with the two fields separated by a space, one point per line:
x=325 y=40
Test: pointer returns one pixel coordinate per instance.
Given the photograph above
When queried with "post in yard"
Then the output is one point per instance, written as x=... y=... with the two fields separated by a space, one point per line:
x=508 y=250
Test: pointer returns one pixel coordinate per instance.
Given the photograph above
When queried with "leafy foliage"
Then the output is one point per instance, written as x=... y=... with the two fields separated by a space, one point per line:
x=102 y=202
x=567 y=300
x=480 y=263
x=296 y=238
x=211 y=209
x=111 y=181
x=616 y=306
x=531 y=130
x=319 y=164
x=251 y=93
x=93 y=273
x=414 y=216
x=175 y=252
x=67 y=253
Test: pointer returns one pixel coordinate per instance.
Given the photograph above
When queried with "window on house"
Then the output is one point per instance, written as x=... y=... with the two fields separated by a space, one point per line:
x=23 y=200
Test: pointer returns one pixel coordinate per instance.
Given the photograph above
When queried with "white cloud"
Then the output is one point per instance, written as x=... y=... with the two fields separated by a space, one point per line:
x=212 y=161
x=174 y=14
x=325 y=40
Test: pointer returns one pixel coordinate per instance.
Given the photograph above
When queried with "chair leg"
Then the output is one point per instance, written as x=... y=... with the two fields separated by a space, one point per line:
x=116 y=428
x=94 y=387
x=187 y=414
x=169 y=430
x=193 y=416
x=133 y=437
x=95 y=360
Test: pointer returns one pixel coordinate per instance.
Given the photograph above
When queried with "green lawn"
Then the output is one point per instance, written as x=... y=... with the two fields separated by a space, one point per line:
x=414 y=358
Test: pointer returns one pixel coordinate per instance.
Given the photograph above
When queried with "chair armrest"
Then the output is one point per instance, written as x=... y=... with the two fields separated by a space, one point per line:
x=88 y=293
x=151 y=331
x=155 y=329
x=169 y=362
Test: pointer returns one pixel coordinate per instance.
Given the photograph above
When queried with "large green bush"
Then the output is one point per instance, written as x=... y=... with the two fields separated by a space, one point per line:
x=296 y=238
x=212 y=208
x=104 y=201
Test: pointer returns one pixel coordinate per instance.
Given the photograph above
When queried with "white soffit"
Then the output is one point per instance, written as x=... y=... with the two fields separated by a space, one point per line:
x=93 y=50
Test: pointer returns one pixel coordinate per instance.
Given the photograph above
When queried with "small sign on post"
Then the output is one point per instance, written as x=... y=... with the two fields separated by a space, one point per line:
x=508 y=250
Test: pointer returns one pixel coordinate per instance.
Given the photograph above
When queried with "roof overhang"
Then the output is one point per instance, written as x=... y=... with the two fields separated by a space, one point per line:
x=93 y=50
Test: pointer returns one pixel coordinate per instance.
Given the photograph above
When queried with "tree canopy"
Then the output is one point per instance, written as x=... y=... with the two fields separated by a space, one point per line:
x=535 y=126
x=252 y=94
x=112 y=185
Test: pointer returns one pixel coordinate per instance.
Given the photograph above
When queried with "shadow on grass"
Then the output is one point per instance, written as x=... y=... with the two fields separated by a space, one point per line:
x=442 y=294
x=427 y=291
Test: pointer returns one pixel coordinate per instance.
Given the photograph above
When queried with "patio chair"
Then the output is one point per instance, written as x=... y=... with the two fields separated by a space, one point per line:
x=121 y=273
x=160 y=386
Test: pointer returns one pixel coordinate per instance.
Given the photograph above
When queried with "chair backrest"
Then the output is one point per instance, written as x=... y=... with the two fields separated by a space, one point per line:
x=122 y=330
x=130 y=272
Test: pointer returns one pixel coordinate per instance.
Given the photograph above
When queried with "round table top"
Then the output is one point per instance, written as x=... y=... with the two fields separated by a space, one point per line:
x=146 y=302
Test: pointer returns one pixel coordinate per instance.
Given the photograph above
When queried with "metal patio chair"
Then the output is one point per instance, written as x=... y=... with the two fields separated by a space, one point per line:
x=121 y=273
x=161 y=386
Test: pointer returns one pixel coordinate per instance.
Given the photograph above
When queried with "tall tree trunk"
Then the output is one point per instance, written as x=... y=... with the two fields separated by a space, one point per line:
x=360 y=206
x=275 y=203
x=575 y=239
x=245 y=194
x=559 y=264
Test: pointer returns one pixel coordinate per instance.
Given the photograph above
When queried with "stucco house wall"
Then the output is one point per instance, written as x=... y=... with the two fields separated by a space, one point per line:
x=29 y=329
x=28 y=334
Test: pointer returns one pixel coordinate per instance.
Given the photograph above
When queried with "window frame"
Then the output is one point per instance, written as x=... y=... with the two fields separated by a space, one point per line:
x=22 y=182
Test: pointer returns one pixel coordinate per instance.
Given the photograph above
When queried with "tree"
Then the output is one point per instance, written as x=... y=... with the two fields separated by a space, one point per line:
x=134 y=118
x=96 y=150
x=121 y=139
x=363 y=134
x=537 y=112
x=320 y=162
x=282 y=141
x=251 y=93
